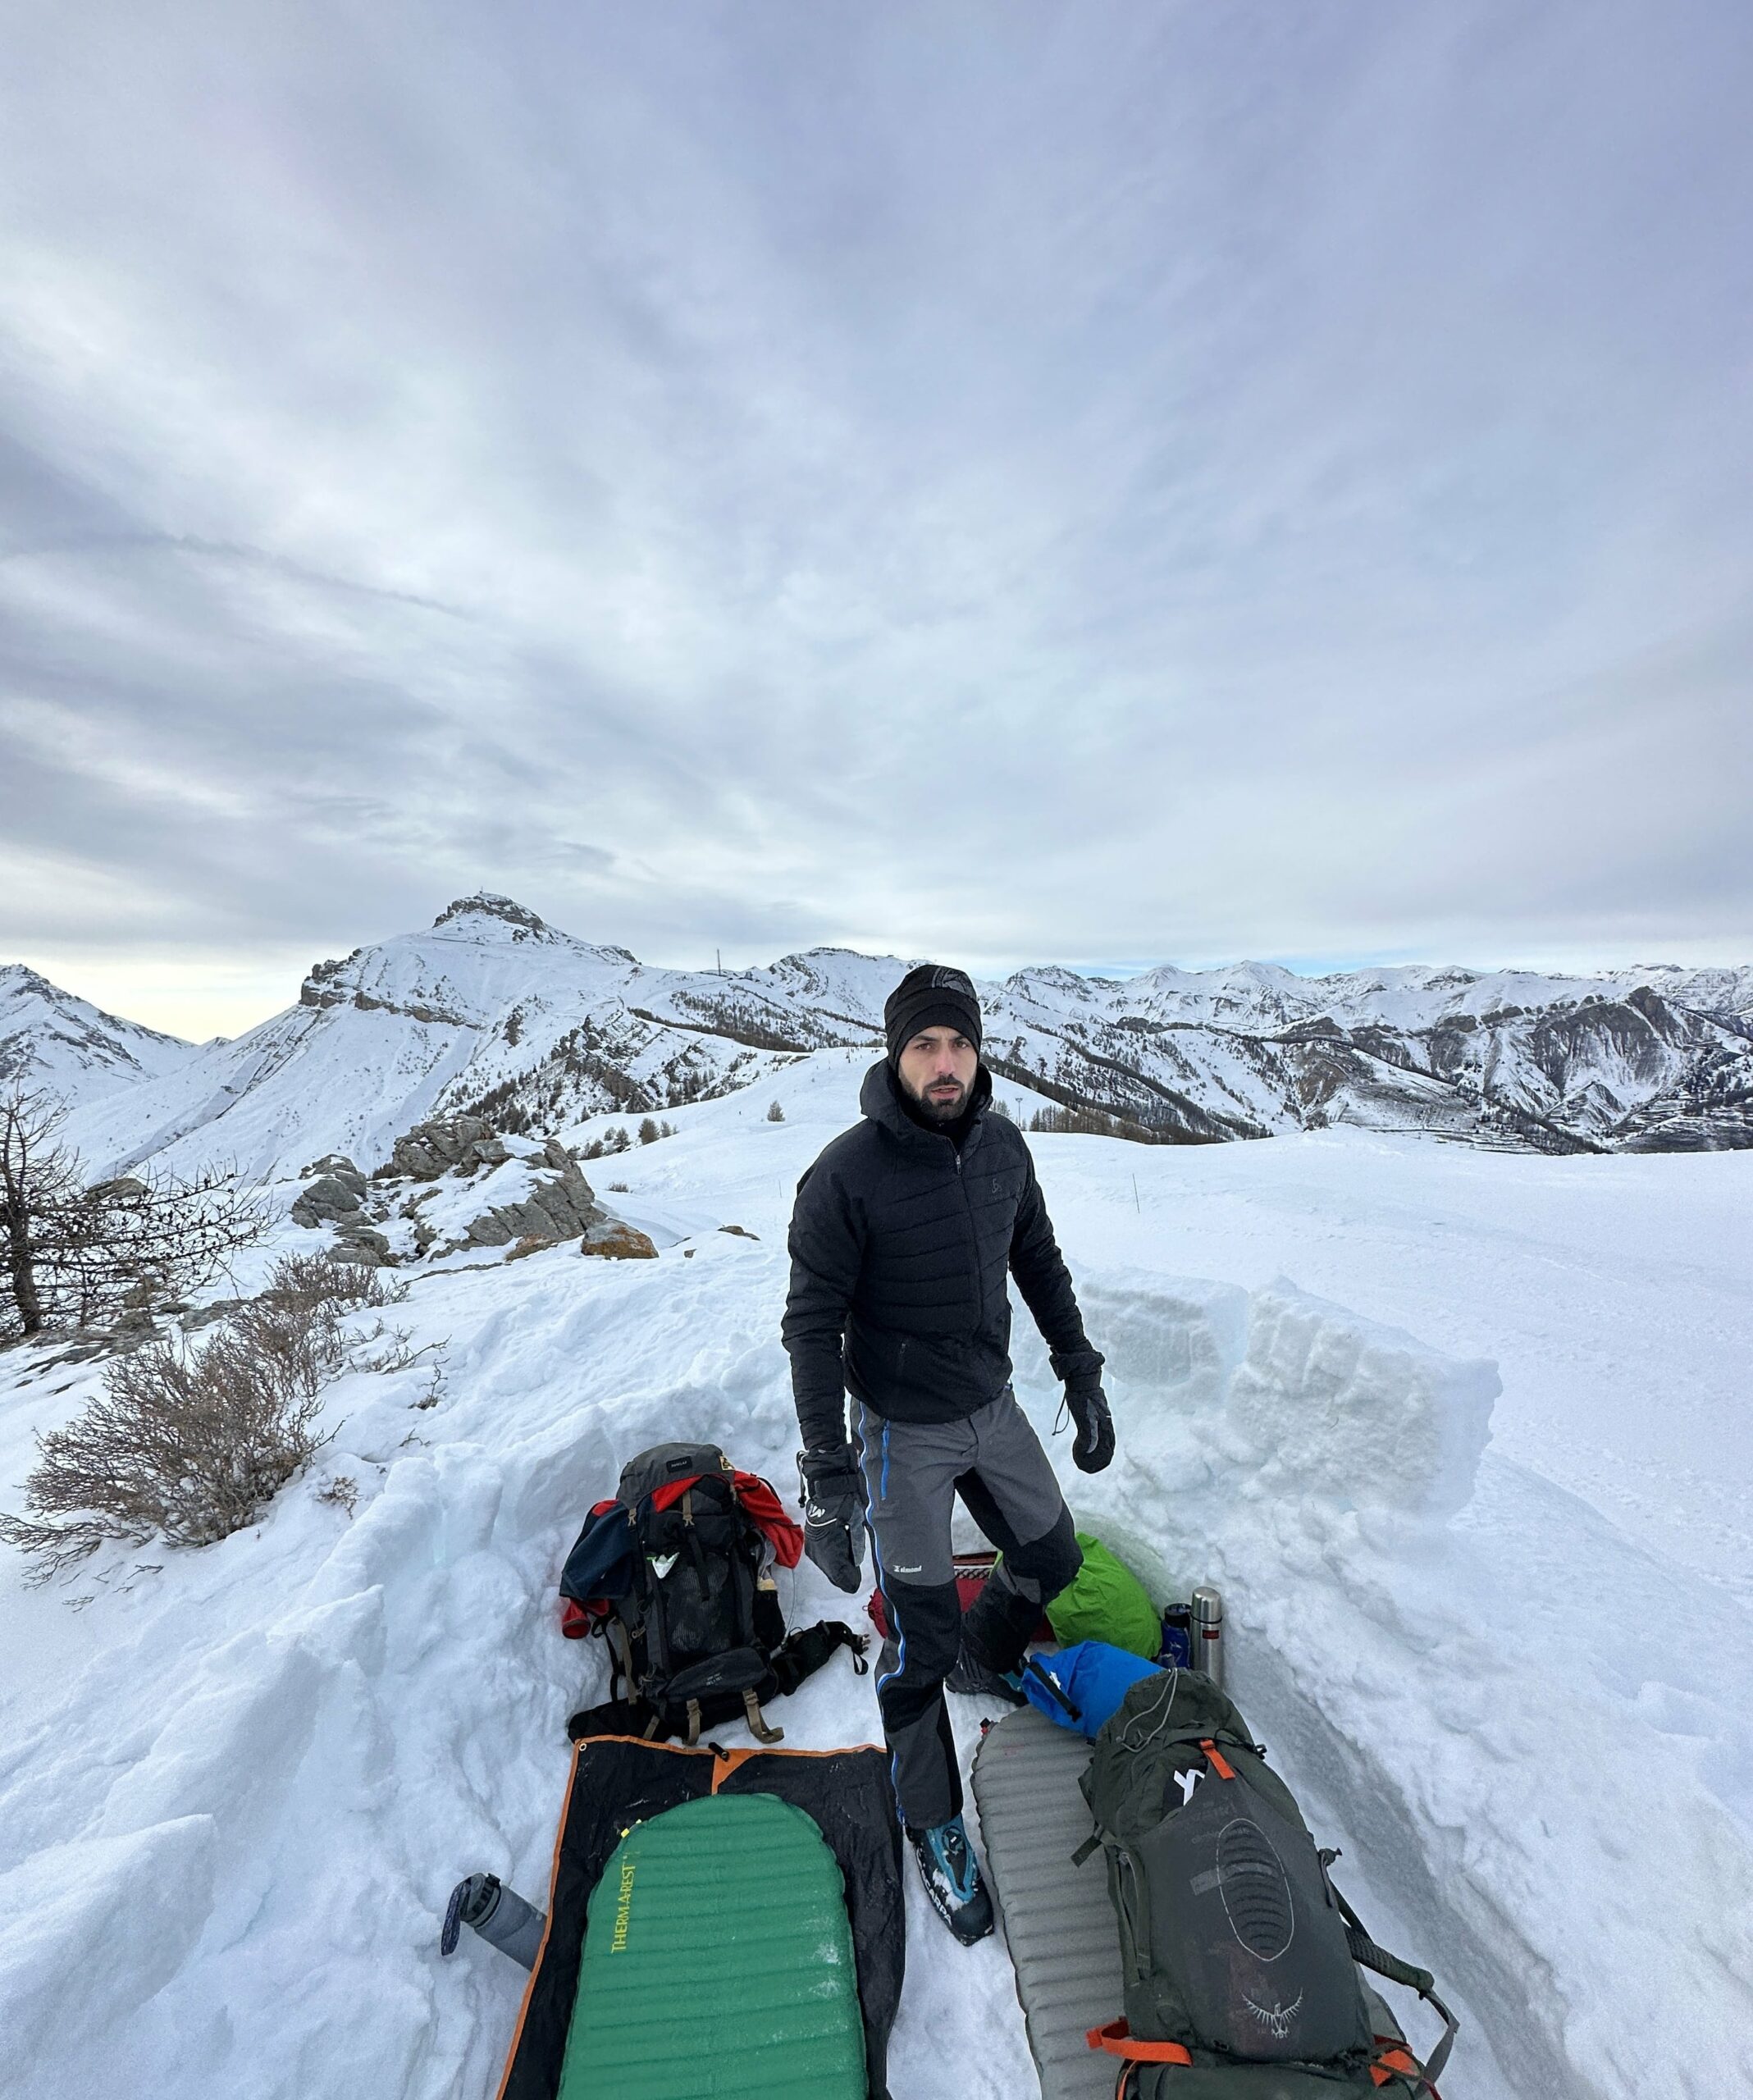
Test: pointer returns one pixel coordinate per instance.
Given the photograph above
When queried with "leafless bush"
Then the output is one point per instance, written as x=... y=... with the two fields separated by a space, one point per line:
x=187 y=1444
x=342 y=1493
x=316 y=1280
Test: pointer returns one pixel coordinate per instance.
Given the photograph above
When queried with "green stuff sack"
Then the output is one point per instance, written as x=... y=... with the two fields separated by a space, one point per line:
x=1106 y=1602
x=718 y=1960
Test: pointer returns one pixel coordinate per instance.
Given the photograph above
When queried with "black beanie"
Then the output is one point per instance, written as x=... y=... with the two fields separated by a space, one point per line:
x=930 y=997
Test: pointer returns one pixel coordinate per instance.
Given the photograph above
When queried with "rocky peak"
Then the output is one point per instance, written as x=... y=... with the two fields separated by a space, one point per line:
x=486 y=904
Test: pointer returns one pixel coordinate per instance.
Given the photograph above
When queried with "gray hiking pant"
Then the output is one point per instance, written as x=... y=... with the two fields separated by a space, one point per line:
x=913 y=1472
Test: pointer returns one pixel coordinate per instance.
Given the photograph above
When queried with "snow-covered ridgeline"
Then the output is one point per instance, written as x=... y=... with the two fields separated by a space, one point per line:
x=66 y=1046
x=491 y=1007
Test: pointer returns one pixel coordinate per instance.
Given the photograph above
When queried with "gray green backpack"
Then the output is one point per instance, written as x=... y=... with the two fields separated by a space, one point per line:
x=1239 y=1957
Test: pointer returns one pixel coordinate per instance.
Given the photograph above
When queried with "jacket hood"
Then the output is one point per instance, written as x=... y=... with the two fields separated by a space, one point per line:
x=879 y=1098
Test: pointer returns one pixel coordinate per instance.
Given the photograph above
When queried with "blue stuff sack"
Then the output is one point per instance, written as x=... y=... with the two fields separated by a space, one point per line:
x=1081 y=1686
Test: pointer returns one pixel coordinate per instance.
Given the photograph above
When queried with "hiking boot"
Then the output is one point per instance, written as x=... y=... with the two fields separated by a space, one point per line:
x=971 y=1675
x=951 y=1876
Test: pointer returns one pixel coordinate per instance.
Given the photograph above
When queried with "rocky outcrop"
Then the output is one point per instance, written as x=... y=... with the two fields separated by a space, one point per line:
x=338 y=1191
x=559 y=1203
x=357 y=1241
x=560 y=1207
x=448 y=1144
x=618 y=1241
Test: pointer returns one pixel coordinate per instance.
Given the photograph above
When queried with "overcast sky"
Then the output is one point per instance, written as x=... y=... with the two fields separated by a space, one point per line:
x=1173 y=480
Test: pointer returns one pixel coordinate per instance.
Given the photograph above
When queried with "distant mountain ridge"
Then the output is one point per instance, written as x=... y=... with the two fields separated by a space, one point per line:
x=64 y=1045
x=492 y=1009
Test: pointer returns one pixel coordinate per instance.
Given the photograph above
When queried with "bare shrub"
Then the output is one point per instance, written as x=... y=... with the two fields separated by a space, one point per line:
x=187 y=1444
x=316 y=1279
x=341 y=1493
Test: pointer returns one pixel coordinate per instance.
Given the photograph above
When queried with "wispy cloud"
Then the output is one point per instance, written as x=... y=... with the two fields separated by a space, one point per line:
x=1079 y=480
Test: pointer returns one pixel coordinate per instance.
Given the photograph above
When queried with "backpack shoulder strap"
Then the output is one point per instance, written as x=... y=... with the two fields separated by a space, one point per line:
x=1369 y=1954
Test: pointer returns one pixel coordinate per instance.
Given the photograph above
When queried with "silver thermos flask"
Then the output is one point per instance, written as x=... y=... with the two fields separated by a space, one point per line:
x=499 y=1914
x=1207 y=1633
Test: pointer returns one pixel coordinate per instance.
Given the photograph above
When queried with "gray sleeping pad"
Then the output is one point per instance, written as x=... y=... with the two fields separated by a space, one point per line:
x=1058 y=1921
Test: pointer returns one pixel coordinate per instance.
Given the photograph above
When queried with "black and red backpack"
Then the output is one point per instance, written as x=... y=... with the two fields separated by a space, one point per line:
x=675 y=1574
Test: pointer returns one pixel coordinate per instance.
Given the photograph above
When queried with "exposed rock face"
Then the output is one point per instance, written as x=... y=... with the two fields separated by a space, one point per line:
x=356 y=1241
x=560 y=1208
x=461 y=1144
x=338 y=1191
x=559 y=1204
x=618 y=1241
x=488 y=904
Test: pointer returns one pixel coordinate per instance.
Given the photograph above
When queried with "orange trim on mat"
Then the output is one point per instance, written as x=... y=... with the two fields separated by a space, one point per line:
x=706 y=1750
x=723 y=1761
x=547 y=1927
x=723 y=1766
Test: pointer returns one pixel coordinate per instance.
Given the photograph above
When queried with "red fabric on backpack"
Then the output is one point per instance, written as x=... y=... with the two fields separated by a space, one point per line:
x=767 y=1513
x=760 y=1505
x=579 y=1620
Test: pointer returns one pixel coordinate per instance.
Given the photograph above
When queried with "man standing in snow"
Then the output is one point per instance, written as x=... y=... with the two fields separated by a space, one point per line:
x=903 y=1234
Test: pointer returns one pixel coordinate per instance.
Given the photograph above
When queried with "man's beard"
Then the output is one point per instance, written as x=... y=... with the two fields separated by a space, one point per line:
x=941 y=1111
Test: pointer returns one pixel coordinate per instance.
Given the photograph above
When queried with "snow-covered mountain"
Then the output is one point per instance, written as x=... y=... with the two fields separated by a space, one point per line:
x=491 y=1009
x=69 y=1048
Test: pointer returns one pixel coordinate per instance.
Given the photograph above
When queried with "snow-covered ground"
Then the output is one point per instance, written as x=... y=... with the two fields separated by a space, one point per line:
x=1512 y=1682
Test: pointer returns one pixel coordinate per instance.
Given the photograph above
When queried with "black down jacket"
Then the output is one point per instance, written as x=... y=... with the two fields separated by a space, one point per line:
x=900 y=1250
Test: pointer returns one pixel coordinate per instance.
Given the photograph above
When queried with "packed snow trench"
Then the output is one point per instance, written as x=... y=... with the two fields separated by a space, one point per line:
x=1474 y=1486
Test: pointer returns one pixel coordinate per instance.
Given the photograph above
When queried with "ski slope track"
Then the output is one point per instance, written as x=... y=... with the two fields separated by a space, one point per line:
x=492 y=1009
x=1472 y=1485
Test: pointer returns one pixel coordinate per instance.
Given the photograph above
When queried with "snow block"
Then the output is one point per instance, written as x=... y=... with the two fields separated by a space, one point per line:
x=1176 y=1337
x=1368 y=1415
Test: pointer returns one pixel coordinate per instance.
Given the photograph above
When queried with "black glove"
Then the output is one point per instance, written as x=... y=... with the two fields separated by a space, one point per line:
x=1093 y=1444
x=833 y=1496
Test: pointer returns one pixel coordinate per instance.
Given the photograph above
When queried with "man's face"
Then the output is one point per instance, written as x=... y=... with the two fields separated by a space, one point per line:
x=937 y=1068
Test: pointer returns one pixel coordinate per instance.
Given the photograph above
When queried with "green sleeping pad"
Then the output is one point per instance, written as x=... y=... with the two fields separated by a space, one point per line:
x=718 y=1963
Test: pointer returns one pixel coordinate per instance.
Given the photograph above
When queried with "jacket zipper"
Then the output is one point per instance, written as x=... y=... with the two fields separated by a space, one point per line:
x=980 y=1273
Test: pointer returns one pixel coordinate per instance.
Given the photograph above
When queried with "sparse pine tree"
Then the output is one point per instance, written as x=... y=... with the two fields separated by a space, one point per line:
x=649 y=1133
x=73 y=1253
x=775 y=1113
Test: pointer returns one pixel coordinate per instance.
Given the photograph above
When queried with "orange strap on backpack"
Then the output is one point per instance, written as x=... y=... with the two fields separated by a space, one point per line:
x=1116 y=2037
x=1389 y=2058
